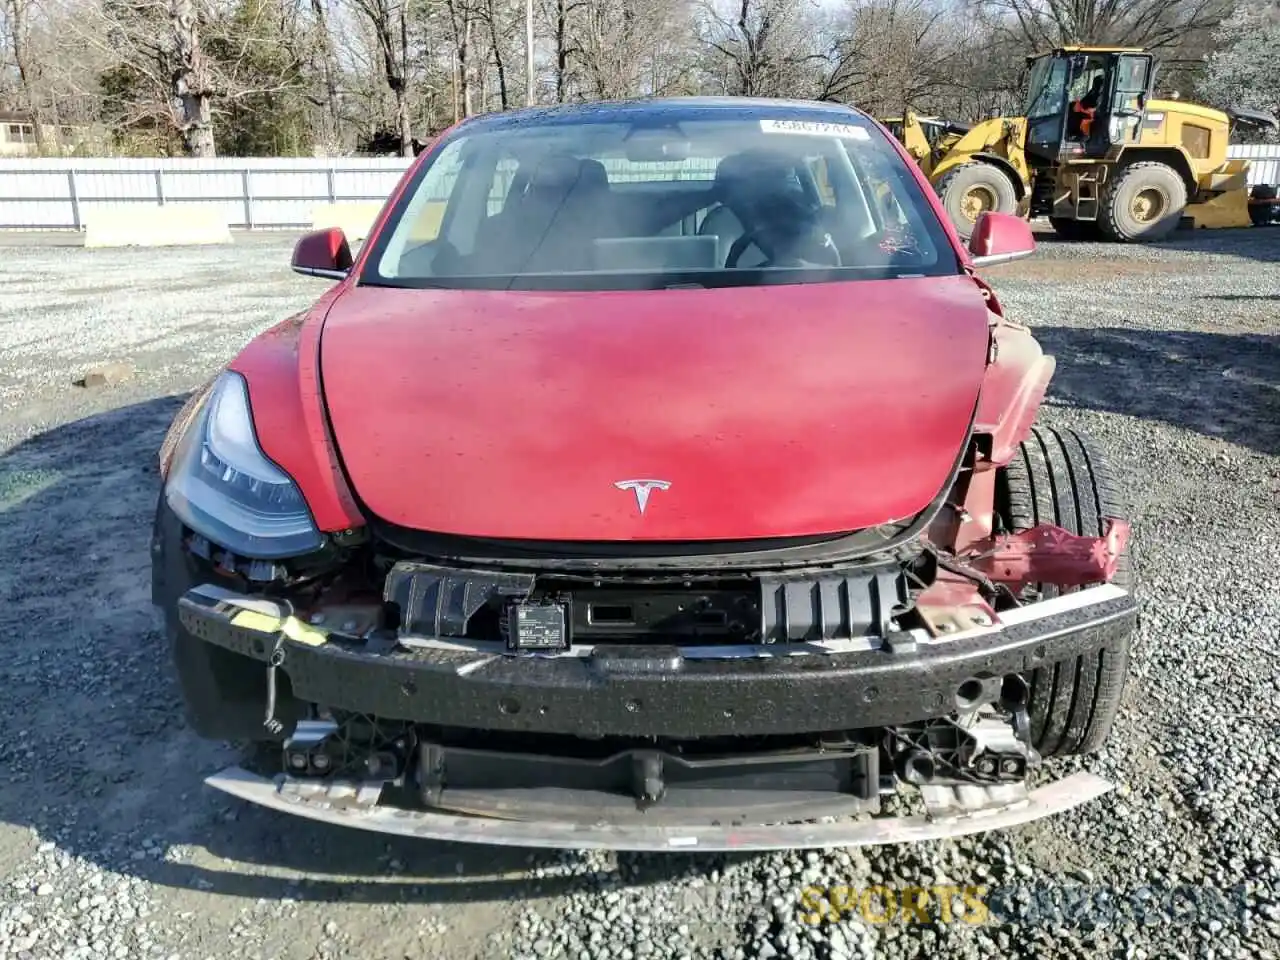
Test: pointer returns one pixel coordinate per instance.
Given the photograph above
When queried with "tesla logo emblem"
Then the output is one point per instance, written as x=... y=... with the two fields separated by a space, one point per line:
x=642 y=489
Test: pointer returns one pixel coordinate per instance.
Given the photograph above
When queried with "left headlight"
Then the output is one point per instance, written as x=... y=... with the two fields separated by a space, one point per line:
x=222 y=485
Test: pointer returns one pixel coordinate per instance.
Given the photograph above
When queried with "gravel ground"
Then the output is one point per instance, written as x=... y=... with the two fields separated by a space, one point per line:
x=111 y=847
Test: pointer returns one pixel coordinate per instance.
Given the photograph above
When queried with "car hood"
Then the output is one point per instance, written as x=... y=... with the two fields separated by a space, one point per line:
x=767 y=411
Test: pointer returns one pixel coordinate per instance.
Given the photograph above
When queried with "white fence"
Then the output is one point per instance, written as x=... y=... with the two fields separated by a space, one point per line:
x=39 y=194
x=1264 y=161
x=252 y=193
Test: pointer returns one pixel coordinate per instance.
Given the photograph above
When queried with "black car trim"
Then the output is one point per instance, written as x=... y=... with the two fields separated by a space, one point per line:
x=897 y=684
x=440 y=601
x=592 y=555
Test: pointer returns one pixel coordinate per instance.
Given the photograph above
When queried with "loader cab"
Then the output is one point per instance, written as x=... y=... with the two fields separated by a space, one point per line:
x=1085 y=102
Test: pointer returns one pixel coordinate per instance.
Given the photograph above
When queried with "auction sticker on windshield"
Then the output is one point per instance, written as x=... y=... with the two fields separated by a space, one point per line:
x=811 y=128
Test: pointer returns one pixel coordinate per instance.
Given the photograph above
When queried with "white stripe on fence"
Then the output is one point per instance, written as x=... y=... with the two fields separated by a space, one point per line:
x=254 y=193
x=1264 y=161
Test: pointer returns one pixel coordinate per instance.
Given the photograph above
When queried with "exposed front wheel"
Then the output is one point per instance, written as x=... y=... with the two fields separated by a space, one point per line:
x=1059 y=477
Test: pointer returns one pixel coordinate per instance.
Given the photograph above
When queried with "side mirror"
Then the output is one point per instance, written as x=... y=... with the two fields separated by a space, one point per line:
x=324 y=253
x=999 y=238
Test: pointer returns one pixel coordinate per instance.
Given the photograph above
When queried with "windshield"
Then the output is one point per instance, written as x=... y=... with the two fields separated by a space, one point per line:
x=652 y=202
x=1046 y=88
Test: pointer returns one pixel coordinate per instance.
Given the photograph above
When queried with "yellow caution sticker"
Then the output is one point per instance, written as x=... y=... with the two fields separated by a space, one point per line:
x=293 y=628
x=255 y=620
x=301 y=632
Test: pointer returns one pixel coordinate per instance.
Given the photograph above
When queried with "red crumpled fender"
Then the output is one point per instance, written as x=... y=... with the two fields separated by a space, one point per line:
x=1017 y=377
x=282 y=369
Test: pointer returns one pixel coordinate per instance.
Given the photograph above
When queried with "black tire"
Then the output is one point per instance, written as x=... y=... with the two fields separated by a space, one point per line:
x=1075 y=230
x=1142 y=202
x=984 y=180
x=1059 y=477
x=1261 y=214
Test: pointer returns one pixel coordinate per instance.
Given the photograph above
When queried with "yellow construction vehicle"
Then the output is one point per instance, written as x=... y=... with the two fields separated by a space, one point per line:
x=1096 y=154
x=927 y=139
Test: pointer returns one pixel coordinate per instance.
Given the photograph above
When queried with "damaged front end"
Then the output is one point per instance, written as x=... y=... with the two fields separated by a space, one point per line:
x=708 y=702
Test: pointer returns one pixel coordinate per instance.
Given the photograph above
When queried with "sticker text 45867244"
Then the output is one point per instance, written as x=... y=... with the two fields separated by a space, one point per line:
x=813 y=128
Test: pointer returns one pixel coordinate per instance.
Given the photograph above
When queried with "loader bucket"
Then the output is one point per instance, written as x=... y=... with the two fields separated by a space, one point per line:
x=1229 y=207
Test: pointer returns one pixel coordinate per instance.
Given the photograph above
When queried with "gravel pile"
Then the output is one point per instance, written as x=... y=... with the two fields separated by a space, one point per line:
x=111 y=848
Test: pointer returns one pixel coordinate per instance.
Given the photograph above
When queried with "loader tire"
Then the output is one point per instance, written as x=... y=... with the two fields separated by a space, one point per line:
x=972 y=189
x=1261 y=214
x=1059 y=477
x=1074 y=230
x=1143 y=202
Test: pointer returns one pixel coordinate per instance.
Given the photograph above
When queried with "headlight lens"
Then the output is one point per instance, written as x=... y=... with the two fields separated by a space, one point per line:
x=222 y=485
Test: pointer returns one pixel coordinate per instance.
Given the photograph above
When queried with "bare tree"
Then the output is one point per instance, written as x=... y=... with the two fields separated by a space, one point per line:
x=885 y=54
x=1243 y=70
x=986 y=71
x=764 y=46
x=159 y=74
x=192 y=82
x=530 y=81
x=888 y=56
x=264 y=75
x=389 y=21
x=366 y=106
x=619 y=40
x=181 y=67
x=461 y=19
x=1144 y=23
x=561 y=16
x=17 y=19
x=498 y=22
x=56 y=87
x=324 y=63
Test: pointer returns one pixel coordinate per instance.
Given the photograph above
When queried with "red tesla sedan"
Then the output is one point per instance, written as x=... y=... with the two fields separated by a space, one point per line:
x=659 y=474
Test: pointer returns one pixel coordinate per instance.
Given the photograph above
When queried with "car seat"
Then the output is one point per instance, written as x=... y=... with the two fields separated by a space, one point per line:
x=553 y=223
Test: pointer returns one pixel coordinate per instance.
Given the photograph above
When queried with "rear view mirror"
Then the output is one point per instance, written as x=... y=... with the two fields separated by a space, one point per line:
x=656 y=145
x=999 y=238
x=324 y=253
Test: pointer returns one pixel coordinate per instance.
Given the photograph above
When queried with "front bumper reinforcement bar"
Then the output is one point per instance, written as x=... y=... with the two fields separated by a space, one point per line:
x=656 y=693
x=1007 y=806
x=660 y=691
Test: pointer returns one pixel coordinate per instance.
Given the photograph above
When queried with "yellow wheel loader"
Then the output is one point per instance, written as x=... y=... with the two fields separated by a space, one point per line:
x=1096 y=154
x=927 y=139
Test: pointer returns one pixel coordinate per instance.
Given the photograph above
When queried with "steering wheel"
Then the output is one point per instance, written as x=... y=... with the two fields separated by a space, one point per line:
x=753 y=238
